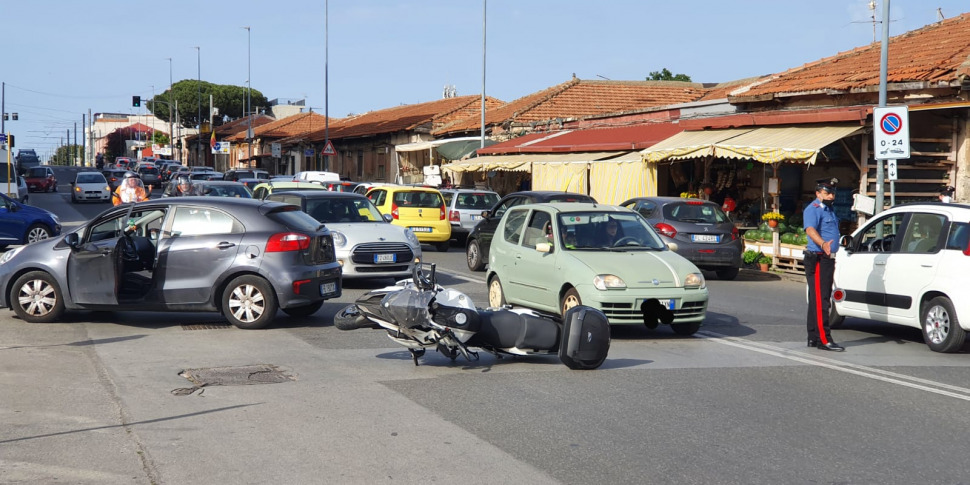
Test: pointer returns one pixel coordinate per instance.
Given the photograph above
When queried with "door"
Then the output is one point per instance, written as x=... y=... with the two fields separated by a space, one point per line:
x=12 y=227
x=196 y=248
x=486 y=227
x=860 y=270
x=534 y=273
x=911 y=269
x=92 y=269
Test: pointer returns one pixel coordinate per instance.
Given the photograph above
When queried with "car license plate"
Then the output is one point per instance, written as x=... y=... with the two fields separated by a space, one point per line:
x=705 y=238
x=385 y=258
x=328 y=288
x=669 y=303
x=421 y=229
x=474 y=217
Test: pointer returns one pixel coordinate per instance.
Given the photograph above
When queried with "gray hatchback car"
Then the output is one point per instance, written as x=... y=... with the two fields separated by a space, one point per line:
x=702 y=232
x=241 y=257
x=464 y=208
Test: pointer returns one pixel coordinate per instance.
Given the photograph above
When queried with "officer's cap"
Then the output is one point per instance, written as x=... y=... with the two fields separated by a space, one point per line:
x=827 y=184
x=948 y=190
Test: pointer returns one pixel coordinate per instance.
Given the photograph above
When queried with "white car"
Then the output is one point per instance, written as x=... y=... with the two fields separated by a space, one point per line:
x=90 y=186
x=907 y=266
x=316 y=176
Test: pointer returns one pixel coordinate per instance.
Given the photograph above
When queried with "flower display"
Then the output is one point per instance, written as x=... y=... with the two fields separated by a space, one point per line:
x=772 y=216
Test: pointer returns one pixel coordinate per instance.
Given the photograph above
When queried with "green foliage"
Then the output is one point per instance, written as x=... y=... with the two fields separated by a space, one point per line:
x=764 y=259
x=749 y=256
x=160 y=138
x=666 y=75
x=231 y=101
x=66 y=154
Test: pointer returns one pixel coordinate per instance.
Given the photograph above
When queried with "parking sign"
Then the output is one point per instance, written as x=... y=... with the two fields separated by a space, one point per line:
x=891 y=132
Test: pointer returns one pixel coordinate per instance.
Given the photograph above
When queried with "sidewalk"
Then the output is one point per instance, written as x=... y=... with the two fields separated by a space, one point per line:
x=754 y=274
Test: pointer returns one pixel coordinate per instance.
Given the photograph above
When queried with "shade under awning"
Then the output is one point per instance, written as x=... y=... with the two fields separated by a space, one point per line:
x=424 y=145
x=456 y=150
x=773 y=144
x=690 y=144
x=523 y=162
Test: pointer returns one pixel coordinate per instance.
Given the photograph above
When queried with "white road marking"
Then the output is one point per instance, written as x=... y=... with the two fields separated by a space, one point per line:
x=849 y=368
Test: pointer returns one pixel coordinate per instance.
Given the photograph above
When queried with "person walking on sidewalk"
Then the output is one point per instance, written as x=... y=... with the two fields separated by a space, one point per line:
x=822 y=228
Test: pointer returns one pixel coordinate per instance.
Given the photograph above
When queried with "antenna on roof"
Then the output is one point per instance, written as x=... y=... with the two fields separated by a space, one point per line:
x=939 y=14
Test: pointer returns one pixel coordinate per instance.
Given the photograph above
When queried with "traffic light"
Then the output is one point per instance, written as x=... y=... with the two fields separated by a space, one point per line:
x=10 y=141
x=136 y=101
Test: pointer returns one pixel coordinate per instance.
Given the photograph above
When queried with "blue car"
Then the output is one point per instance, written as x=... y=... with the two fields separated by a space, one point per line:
x=24 y=224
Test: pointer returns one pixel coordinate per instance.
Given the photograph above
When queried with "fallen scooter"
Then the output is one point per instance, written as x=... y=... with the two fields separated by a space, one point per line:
x=419 y=314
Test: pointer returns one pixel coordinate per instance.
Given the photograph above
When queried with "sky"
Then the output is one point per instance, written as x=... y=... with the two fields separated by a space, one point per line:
x=62 y=58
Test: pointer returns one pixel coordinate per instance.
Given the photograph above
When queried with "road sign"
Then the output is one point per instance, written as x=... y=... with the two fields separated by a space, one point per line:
x=328 y=150
x=3 y=138
x=891 y=132
x=891 y=169
x=308 y=152
x=221 y=147
x=277 y=149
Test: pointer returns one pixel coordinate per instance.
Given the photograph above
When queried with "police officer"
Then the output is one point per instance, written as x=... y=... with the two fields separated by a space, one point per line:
x=822 y=228
x=946 y=194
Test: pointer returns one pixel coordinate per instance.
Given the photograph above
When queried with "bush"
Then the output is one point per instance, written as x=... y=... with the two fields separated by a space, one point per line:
x=764 y=260
x=749 y=256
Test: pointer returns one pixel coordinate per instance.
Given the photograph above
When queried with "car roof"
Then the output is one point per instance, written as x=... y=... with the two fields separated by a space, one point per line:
x=567 y=207
x=283 y=184
x=402 y=188
x=465 y=190
x=667 y=200
x=325 y=194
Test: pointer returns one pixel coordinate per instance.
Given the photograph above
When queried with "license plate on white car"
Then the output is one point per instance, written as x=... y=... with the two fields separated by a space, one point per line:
x=421 y=229
x=328 y=288
x=670 y=304
x=385 y=258
x=705 y=238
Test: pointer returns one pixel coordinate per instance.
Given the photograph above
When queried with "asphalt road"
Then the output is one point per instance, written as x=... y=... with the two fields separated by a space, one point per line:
x=99 y=399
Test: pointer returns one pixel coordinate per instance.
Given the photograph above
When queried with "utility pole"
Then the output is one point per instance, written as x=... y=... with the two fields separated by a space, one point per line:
x=198 y=140
x=84 y=151
x=171 y=131
x=883 y=70
x=484 y=8
x=326 y=85
x=249 y=94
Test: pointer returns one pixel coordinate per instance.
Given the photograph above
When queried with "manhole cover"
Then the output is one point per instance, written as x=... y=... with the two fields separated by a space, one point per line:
x=236 y=376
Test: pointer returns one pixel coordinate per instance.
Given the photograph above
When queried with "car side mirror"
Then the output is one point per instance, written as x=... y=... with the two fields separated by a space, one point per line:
x=544 y=247
x=72 y=240
x=388 y=217
x=845 y=241
x=672 y=246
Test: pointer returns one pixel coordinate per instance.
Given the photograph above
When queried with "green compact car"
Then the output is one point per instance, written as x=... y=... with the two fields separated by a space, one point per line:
x=551 y=257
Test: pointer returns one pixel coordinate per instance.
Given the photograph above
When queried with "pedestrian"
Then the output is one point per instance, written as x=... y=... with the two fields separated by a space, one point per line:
x=946 y=194
x=822 y=228
x=130 y=190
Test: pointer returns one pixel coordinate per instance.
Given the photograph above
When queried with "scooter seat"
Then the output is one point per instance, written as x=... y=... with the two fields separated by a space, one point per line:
x=505 y=329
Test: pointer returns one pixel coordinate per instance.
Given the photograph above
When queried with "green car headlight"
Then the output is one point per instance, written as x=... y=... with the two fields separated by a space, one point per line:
x=608 y=282
x=695 y=280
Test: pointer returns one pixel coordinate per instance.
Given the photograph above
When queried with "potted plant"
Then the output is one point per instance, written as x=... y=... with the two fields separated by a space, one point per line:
x=772 y=218
x=750 y=257
x=764 y=261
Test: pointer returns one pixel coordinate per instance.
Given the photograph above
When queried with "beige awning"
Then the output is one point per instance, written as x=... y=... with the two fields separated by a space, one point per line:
x=773 y=144
x=523 y=162
x=690 y=144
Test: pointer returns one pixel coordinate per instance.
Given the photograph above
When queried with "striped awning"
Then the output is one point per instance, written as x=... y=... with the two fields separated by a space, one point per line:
x=690 y=144
x=793 y=144
x=523 y=162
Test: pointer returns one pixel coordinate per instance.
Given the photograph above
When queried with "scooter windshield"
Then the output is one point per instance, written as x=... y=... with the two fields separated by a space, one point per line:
x=409 y=307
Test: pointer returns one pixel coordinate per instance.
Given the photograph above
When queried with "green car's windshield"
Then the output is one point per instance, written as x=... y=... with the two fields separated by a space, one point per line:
x=607 y=231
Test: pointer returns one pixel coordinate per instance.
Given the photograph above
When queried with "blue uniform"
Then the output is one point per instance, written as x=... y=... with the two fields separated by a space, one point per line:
x=824 y=220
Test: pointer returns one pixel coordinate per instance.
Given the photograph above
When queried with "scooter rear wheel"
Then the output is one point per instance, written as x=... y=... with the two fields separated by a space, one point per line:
x=349 y=318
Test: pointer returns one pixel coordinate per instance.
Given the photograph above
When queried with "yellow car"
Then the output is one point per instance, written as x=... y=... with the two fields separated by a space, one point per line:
x=420 y=209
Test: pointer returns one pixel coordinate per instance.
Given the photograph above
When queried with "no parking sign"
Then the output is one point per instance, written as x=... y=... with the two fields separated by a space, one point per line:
x=891 y=132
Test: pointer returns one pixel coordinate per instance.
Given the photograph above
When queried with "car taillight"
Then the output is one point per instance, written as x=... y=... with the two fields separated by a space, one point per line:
x=287 y=241
x=734 y=233
x=666 y=229
x=454 y=216
x=442 y=213
x=695 y=202
x=394 y=213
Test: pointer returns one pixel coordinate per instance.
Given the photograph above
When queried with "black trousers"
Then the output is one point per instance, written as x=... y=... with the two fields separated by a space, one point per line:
x=819 y=271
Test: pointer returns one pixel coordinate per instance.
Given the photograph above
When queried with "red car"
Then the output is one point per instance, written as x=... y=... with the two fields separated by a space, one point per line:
x=41 y=179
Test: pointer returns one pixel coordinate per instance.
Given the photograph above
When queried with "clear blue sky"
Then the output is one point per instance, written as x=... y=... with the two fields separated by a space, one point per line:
x=63 y=57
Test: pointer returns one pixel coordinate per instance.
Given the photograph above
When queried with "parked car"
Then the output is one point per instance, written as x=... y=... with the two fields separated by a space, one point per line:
x=340 y=186
x=247 y=173
x=480 y=238
x=552 y=257
x=221 y=188
x=262 y=190
x=905 y=266
x=465 y=207
x=241 y=257
x=114 y=177
x=422 y=210
x=363 y=187
x=24 y=224
x=316 y=176
x=704 y=234
x=41 y=179
x=89 y=186
x=367 y=245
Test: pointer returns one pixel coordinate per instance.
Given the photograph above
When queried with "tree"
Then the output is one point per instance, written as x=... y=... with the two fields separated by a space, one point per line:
x=666 y=75
x=64 y=153
x=231 y=101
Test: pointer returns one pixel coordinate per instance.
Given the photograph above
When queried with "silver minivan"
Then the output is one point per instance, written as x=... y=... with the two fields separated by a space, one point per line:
x=464 y=209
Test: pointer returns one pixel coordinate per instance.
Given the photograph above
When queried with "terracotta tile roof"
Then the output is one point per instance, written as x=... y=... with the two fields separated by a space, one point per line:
x=722 y=90
x=239 y=125
x=938 y=54
x=635 y=137
x=579 y=98
x=406 y=117
x=286 y=127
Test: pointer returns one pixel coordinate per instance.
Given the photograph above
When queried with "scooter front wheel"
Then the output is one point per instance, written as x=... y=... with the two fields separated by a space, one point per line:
x=350 y=318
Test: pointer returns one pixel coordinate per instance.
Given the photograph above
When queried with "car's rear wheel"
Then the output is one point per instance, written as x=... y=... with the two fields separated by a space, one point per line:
x=686 y=329
x=570 y=299
x=36 y=298
x=727 y=273
x=37 y=232
x=305 y=310
x=941 y=329
x=473 y=256
x=496 y=296
x=249 y=302
x=443 y=246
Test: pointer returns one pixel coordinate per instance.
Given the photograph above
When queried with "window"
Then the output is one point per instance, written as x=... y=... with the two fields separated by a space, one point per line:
x=539 y=230
x=923 y=233
x=880 y=236
x=959 y=236
x=195 y=221
x=377 y=197
x=647 y=208
x=508 y=204
x=513 y=225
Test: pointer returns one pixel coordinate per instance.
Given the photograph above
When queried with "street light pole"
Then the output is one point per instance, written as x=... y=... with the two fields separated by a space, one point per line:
x=198 y=140
x=171 y=131
x=249 y=93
